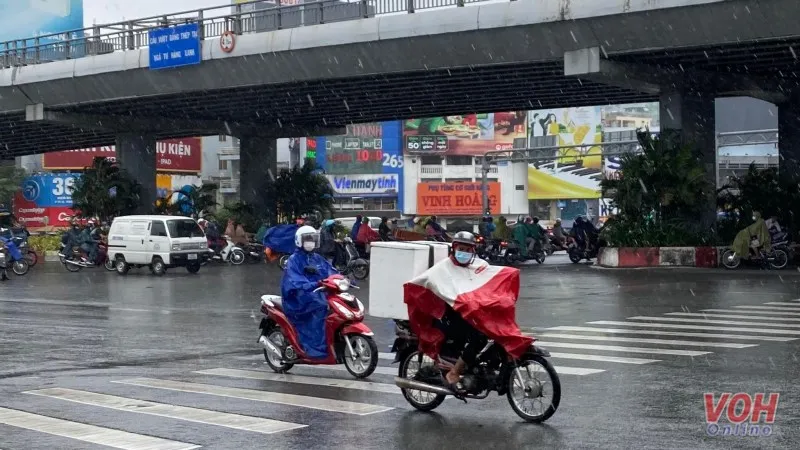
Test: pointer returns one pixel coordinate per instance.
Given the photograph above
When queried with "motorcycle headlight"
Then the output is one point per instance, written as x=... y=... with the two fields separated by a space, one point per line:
x=343 y=284
x=347 y=313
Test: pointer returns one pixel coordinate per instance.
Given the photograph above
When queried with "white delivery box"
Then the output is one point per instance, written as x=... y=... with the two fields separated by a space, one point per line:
x=393 y=264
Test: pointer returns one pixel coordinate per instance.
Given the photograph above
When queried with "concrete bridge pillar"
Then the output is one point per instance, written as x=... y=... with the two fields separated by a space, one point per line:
x=258 y=166
x=789 y=139
x=136 y=153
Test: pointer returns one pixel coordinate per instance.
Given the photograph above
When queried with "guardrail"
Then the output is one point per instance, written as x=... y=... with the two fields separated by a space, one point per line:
x=250 y=17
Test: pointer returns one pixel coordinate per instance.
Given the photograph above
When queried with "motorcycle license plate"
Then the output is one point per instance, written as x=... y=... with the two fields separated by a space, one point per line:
x=503 y=252
x=192 y=256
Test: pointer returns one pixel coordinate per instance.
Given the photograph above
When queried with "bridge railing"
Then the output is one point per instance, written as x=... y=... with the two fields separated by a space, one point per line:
x=244 y=18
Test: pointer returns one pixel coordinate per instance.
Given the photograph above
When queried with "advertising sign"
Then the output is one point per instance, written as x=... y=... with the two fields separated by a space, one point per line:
x=368 y=149
x=470 y=135
x=173 y=155
x=45 y=200
x=32 y=18
x=365 y=185
x=577 y=172
x=174 y=46
x=456 y=198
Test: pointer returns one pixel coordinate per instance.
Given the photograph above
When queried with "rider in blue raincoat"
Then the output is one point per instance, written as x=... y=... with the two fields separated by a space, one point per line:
x=306 y=309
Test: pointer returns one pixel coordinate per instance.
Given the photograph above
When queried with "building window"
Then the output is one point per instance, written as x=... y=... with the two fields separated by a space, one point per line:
x=431 y=160
x=459 y=160
x=223 y=165
x=223 y=138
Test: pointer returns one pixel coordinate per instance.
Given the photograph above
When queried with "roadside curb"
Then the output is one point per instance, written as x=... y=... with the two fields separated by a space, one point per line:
x=648 y=257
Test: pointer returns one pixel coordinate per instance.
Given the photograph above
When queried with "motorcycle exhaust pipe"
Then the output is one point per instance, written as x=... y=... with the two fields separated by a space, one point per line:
x=270 y=346
x=405 y=383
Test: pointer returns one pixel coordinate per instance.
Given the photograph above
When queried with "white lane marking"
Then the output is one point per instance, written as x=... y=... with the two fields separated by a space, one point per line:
x=754 y=311
x=675 y=342
x=715 y=322
x=300 y=379
x=733 y=316
x=672 y=333
x=387 y=356
x=693 y=327
x=614 y=359
x=770 y=308
x=393 y=371
x=789 y=305
x=88 y=433
x=620 y=348
x=204 y=416
x=322 y=404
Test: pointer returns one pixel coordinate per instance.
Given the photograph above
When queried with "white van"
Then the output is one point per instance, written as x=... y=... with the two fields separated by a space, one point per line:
x=158 y=242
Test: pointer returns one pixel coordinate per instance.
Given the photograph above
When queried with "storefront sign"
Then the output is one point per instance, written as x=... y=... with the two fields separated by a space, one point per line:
x=34 y=217
x=172 y=155
x=471 y=134
x=456 y=199
x=360 y=151
x=365 y=185
x=51 y=190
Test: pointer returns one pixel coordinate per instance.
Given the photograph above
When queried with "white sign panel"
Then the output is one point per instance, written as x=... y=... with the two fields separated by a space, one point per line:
x=365 y=185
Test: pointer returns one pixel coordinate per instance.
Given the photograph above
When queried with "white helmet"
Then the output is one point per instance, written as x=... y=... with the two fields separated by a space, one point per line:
x=304 y=234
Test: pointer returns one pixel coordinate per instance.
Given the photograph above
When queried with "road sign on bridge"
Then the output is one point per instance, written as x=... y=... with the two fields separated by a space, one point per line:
x=174 y=46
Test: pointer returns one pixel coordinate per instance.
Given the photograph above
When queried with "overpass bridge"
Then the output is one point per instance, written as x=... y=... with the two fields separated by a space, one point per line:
x=393 y=59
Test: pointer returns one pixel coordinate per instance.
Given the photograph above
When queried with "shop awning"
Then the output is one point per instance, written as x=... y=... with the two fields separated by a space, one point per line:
x=543 y=186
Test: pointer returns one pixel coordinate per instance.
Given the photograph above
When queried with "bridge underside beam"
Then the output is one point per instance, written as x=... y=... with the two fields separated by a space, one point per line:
x=589 y=64
x=166 y=125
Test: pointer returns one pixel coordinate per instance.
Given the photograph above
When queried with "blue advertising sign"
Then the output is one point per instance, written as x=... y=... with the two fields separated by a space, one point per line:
x=50 y=190
x=29 y=19
x=174 y=46
x=366 y=150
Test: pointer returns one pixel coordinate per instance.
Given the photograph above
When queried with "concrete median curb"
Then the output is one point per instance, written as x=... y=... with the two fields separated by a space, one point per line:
x=633 y=257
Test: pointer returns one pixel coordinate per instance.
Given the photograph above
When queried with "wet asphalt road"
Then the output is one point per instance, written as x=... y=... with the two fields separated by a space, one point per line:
x=141 y=338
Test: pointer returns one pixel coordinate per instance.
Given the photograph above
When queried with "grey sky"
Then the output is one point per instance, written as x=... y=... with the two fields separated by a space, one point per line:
x=110 y=11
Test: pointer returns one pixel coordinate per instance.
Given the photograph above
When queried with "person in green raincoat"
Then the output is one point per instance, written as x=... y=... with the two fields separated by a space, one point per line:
x=521 y=235
x=741 y=244
x=502 y=231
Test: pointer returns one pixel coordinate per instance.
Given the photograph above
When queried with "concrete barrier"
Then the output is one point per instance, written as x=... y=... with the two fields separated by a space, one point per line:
x=659 y=257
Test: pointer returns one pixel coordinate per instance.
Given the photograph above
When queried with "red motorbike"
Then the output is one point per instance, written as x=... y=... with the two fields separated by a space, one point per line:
x=349 y=340
x=76 y=260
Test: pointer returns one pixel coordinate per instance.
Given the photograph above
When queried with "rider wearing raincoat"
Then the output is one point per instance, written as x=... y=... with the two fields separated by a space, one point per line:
x=306 y=309
x=741 y=243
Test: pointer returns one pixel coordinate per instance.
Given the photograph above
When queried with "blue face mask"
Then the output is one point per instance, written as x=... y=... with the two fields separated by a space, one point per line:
x=463 y=257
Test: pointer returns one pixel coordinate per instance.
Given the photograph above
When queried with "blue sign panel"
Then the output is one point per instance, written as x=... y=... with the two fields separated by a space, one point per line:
x=174 y=46
x=51 y=190
x=24 y=20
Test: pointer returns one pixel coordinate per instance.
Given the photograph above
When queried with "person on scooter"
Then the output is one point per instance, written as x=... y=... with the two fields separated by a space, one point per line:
x=384 y=230
x=558 y=233
x=327 y=241
x=356 y=227
x=88 y=245
x=306 y=309
x=521 y=235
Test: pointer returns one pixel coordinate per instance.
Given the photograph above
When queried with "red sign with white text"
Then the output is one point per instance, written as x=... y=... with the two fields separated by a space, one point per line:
x=172 y=155
x=35 y=217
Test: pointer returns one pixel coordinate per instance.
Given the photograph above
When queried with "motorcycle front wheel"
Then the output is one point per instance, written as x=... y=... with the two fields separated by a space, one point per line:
x=32 y=258
x=282 y=262
x=20 y=267
x=237 y=257
x=360 y=269
x=524 y=383
x=574 y=257
x=365 y=360
x=109 y=265
x=779 y=260
x=423 y=401
x=731 y=260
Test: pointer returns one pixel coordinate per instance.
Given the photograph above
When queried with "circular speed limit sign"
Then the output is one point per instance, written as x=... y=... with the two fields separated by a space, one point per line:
x=227 y=41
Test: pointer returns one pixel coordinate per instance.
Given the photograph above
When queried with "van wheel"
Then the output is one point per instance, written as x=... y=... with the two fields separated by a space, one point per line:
x=193 y=268
x=158 y=267
x=121 y=266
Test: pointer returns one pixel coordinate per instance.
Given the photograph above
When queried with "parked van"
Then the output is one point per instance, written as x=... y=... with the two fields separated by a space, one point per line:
x=158 y=242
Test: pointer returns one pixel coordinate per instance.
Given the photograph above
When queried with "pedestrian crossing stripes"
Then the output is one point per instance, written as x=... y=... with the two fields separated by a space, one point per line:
x=670 y=333
x=733 y=316
x=674 y=342
x=770 y=308
x=300 y=379
x=694 y=327
x=88 y=433
x=716 y=322
x=755 y=311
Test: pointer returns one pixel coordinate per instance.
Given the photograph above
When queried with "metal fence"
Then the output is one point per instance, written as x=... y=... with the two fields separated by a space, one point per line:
x=250 y=17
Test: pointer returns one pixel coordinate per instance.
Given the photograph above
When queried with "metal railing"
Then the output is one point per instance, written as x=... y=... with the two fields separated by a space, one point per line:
x=244 y=18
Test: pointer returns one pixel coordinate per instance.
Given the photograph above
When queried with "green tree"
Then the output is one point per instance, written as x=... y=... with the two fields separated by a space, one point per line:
x=662 y=196
x=298 y=191
x=10 y=181
x=105 y=191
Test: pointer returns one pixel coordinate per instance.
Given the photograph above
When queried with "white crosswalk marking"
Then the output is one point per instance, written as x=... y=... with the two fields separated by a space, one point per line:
x=754 y=311
x=787 y=304
x=204 y=416
x=620 y=348
x=671 y=333
x=323 y=404
x=88 y=433
x=733 y=316
x=783 y=309
x=716 y=322
x=562 y=370
x=694 y=327
x=644 y=340
x=614 y=359
x=300 y=379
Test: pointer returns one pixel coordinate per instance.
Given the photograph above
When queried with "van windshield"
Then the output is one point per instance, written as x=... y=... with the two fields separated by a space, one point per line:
x=184 y=228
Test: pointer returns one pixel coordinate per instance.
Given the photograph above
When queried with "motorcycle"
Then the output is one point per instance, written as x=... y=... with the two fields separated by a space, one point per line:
x=75 y=260
x=9 y=253
x=21 y=241
x=227 y=252
x=352 y=262
x=510 y=253
x=577 y=252
x=777 y=258
x=254 y=252
x=350 y=341
x=423 y=384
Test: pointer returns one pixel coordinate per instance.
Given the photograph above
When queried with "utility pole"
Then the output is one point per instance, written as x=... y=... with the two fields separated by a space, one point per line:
x=484 y=187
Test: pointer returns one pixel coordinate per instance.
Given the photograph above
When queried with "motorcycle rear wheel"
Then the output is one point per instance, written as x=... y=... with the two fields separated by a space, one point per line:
x=360 y=269
x=432 y=400
x=731 y=260
x=71 y=266
x=275 y=335
x=109 y=265
x=780 y=259
x=534 y=360
x=282 y=261
x=32 y=258
x=574 y=257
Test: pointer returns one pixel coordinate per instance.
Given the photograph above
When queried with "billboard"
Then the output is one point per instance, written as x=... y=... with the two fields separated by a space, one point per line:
x=45 y=200
x=577 y=172
x=31 y=18
x=456 y=198
x=468 y=135
x=360 y=157
x=172 y=155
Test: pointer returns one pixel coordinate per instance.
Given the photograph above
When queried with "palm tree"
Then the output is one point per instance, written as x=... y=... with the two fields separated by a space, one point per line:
x=105 y=191
x=10 y=181
x=300 y=191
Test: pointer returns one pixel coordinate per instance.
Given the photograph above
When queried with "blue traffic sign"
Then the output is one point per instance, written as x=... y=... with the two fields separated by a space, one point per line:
x=174 y=46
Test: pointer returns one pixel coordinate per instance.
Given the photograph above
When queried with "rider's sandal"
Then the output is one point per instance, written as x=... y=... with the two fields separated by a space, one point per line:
x=458 y=390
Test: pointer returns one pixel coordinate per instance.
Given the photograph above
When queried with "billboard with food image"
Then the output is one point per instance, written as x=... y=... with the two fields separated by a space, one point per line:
x=577 y=167
x=468 y=135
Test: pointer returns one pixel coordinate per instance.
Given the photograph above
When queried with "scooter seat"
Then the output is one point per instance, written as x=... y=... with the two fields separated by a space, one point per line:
x=274 y=299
